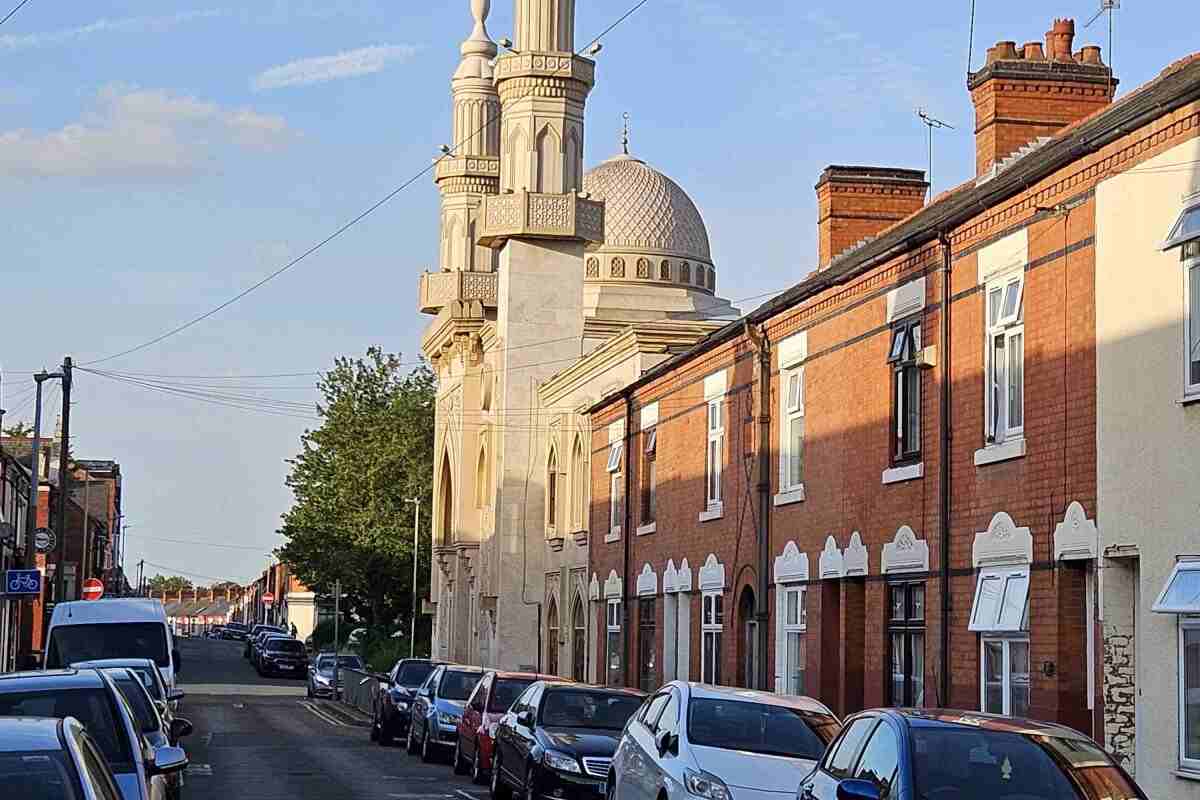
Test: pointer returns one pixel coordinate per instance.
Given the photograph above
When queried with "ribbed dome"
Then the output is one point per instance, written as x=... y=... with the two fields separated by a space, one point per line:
x=645 y=211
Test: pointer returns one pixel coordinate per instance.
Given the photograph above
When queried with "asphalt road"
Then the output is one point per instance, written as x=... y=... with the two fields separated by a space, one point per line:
x=260 y=739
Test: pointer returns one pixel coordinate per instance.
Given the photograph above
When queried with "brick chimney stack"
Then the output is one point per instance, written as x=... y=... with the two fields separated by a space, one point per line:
x=856 y=203
x=1023 y=95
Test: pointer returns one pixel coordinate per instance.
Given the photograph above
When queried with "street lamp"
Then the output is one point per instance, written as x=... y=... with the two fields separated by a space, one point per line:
x=412 y=623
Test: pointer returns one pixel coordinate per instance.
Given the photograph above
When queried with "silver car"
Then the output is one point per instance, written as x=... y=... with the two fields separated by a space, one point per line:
x=693 y=741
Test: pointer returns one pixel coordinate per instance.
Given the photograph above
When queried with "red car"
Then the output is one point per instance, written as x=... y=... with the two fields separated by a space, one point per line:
x=487 y=704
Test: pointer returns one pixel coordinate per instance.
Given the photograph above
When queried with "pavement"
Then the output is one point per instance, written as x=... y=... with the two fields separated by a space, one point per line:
x=261 y=739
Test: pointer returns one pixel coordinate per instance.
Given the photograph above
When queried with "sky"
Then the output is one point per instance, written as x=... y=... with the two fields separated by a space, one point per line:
x=156 y=159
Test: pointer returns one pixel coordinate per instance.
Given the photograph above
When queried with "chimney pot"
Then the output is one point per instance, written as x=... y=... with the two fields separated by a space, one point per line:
x=1033 y=51
x=1060 y=40
x=1090 y=54
x=1006 y=51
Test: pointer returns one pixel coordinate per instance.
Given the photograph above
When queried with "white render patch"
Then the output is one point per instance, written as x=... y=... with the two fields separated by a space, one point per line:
x=647 y=582
x=793 y=350
x=712 y=574
x=612 y=586
x=906 y=299
x=616 y=431
x=650 y=416
x=1002 y=543
x=905 y=553
x=1076 y=537
x=792 y=565
x=855 y=559
x=1007 y=254
x=715 y=385
x=594 y=588
x=831 y=563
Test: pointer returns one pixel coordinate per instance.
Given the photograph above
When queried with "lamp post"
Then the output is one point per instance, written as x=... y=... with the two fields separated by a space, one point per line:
x=412 y=623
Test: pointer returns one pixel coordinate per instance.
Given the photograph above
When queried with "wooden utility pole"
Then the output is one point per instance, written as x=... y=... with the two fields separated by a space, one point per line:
x=64 y=485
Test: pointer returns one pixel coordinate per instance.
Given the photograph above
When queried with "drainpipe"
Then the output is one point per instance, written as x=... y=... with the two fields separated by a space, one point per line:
x=626 y=541
x=944 y=468
x=762 y=345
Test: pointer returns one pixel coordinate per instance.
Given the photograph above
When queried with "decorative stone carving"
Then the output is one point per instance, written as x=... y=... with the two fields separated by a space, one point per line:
x=664 y=270
x=549 y=211
x=685 y=272
x=533 y=214
x=855 y=558
x=439 y=289
x=612 y=586
x=831 y=563
x=643 y=268
x=1076 y=537
x=905 y=553
x=594 y=588
x=647 y=582
x=617 y=269
x=593 y=268
x=670 y=576
x=683 y=581
x=1002 y=543
x=792 y=565
x=712 y=574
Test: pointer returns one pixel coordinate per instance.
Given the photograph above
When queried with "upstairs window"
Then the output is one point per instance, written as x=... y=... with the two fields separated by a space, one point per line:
x=791 y=446
x=716 y=449
x=906 y=392
x=616 y=487
x=649 y=475
x=552 y=491
x=1191 y=268
x=1005 y=358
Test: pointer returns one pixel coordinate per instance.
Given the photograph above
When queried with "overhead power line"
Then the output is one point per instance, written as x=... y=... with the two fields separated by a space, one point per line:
x=10 y=14
x=264 y=550
x=187 y=574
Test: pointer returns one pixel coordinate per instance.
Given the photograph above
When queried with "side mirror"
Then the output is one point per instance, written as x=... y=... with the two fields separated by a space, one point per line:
x=525 y=719
x=666 y=742
x=180 y=728
x=161 y=707
x=854 y=789
x=175 y=695
x=168 y=760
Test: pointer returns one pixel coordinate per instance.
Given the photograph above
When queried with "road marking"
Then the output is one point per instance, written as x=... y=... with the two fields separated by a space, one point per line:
x=412 y=796
x=239 y=705
x=200 y=769
x=323 y=715
x=467 y=795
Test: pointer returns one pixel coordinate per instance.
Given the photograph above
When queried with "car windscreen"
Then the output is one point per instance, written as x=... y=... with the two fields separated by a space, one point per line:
x=325 y=663
x=457 y=685
x=289 y=646
x=144 y=714
x=505 y=692
x=70 y=644
x=236 y=626
x=755 y=728
x=47 y=775
x=152 y=686
x=575 y=708
x=978 y=764
x=413 y=674
x=92 y=707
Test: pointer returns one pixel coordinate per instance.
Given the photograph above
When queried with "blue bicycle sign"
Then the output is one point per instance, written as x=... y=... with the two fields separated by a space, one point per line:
x=23 y=581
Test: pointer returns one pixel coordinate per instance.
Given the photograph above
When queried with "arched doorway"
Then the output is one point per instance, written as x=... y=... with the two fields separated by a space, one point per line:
x=748 y=641
x=552 y=637
x=578 y=642
x=446 y=508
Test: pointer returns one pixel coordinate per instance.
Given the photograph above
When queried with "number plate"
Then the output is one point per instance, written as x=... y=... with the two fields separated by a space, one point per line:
x=602 y=788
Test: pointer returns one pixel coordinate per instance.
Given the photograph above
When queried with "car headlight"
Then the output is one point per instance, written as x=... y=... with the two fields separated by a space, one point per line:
x=702 y=784
x=560 y=761
x=402 y=706
x=447 y=719
x=321 y=679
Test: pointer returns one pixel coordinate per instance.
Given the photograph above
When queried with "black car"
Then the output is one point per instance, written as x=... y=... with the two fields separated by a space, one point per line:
x=393 y=701
x=253 y=635
x=283 y=657
x=937 y=753
x=236 y=631
x=558 y=740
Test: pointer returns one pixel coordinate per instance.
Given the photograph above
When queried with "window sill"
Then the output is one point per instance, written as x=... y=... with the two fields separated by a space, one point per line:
x=909 y=472
x=1186 y=774
x=1005 y=451
x=714 y=512
x=793 y=495
x=612 y=536
x=1190 y=398
x=648 y=528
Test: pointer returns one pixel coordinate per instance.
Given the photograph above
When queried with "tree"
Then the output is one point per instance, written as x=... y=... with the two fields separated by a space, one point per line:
x=168 y=583
x=350 y=480
x=21 y=430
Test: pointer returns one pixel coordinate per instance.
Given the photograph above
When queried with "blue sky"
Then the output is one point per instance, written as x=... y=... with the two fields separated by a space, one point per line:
x=156 y=158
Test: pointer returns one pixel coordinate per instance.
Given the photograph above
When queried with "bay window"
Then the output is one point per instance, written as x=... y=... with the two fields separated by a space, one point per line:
x=1181 y=595
x=712 y=624
x=1004 y=355
x=1001 y=613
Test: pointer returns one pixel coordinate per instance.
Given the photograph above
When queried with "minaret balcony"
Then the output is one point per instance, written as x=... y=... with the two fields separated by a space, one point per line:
x=542 y=73
x=467 y=167
x=533 y=215
x=439 y=289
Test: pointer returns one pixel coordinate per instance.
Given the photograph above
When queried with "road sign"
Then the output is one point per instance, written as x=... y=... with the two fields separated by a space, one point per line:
x=44 y=539
x=23 y=581
x=268 y=599
x=93 y=589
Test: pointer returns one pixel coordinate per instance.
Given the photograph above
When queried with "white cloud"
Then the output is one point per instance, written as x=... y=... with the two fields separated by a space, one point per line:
x=349 y=64
x=139 y=134
x=124 y=25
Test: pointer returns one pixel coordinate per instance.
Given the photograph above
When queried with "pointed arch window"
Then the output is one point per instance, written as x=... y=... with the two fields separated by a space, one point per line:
x=552 y=490
x=552 y=637
x=578 y=486
x=578 y=641
x=446 y=506
x=483 y=483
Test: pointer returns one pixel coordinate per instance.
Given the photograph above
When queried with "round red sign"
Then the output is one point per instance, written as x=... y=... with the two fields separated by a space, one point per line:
x=93 y=589
x=268 y=599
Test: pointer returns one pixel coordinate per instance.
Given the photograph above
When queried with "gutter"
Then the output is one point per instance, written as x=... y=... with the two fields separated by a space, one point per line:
x=762 y=610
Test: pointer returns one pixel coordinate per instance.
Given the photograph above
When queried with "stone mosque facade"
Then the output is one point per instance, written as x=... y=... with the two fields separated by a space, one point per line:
x=555 y=287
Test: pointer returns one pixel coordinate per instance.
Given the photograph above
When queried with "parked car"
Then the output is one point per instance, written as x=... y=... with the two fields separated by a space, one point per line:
x=691 y=740
x=260 y=641
x=492 y=697
x=236 y=631
x=167 y=700
x=558 y=740
x=53 y=758
x=215 y=632
x=155 y=729
x=91 y=697
x=118 y=627
x=941 y=754
x=394 y=699
x=322 y=673
x=253 y=635
x=438 y=706
x=282 y=656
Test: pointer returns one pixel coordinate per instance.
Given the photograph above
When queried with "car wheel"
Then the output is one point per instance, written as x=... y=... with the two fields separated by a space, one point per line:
x=426 y=753
x=530 y=792
x=500 y=791
x=386 y=737
x=476 y=767
x=459 y=768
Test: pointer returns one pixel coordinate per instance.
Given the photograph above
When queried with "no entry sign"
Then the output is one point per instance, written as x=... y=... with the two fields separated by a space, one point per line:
x=93 y=589
x=268 y=599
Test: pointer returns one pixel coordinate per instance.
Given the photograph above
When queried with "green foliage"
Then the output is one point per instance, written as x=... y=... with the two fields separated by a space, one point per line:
x=350 y=521
x=21 y=430
x=168 y=583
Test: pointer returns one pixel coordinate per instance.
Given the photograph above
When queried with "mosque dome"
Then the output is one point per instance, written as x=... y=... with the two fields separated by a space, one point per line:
x=652 y=229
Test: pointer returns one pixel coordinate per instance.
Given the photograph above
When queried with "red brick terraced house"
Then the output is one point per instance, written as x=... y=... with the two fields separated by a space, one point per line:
x=880 y=487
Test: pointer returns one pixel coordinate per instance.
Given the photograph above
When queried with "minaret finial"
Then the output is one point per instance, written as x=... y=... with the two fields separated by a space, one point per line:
x=625 y=134
x=479 y=49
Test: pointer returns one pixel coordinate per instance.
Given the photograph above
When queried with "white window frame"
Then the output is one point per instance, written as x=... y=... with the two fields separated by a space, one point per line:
x=792 y=408
x=1160 y=606
x=1190 y=255
x=997 y=429
x=616 y=489
x=714 y=454
x=1006 y=643
x=1005 y=580
x=612 y=625
x=710 y=627
x=1185 y=763
x=797 y=628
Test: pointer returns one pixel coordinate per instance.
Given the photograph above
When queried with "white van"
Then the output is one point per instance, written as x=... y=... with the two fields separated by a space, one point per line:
x=118 y=627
